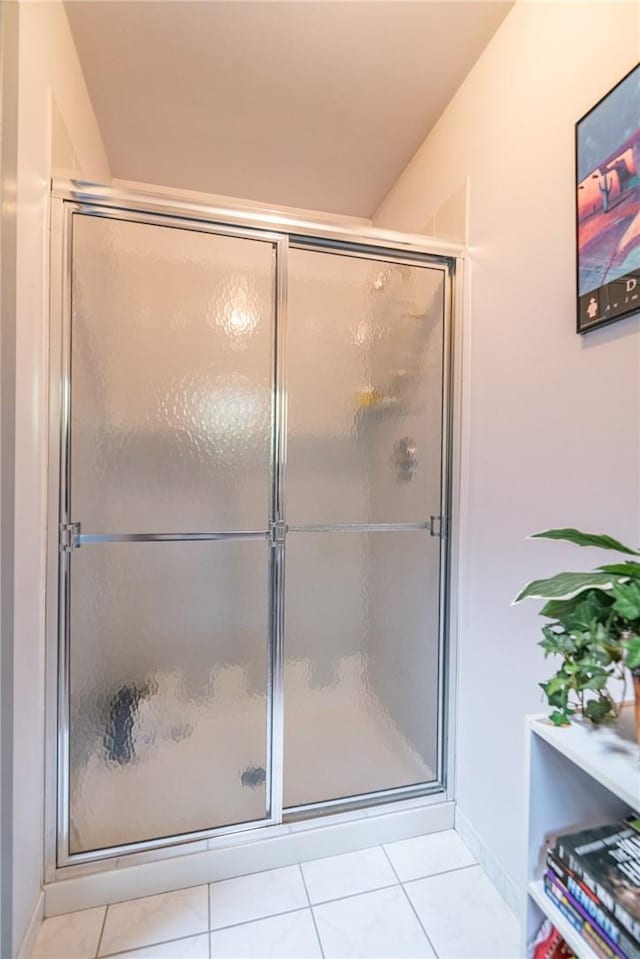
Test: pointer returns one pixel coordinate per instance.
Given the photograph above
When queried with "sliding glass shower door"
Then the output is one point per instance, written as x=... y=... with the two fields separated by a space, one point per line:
x=252 y=505
x=365 y=361
x=169 y=465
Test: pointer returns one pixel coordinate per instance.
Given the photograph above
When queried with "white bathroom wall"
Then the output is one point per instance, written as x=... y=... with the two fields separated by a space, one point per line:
x=58 y=136
x=551 y=434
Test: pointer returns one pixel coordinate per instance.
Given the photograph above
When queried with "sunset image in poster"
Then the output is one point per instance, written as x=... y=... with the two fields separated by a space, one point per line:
x=608 y=206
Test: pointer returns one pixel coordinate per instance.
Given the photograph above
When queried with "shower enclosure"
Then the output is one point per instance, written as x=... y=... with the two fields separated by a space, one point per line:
x=251 y=440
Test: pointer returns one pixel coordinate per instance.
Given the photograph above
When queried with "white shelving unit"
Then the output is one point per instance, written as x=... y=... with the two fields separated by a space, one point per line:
x=577 y=776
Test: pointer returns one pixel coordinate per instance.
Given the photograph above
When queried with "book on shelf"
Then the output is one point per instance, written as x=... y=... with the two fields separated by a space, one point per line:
x=606 y=860
x=588 y=918
x=580 y=921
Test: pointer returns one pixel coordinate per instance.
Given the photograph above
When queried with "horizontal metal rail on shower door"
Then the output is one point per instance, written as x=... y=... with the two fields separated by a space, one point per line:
x=79 y=539
x=72 y=537
x=362 y=527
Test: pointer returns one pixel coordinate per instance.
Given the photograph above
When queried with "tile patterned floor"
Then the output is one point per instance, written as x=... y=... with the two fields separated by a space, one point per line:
x=423 y=897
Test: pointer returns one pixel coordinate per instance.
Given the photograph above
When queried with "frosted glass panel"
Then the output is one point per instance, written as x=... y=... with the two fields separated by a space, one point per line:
x=361 y=674
x=364 y=368
x=171 y=378
x=168 y=689
x=172 y=386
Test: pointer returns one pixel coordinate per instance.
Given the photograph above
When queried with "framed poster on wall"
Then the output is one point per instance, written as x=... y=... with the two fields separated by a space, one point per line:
x=608 y=206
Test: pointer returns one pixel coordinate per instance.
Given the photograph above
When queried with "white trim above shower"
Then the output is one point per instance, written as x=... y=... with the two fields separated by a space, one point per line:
x=213 y=208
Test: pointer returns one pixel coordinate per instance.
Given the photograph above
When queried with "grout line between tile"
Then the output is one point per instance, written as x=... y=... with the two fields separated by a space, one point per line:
x=353 y=895
x=247 y=922
x=304 y=883
x=104 y=922
x=443 y=872
x=147 y=945
x=411 y=906
x=313 y=915
x=286 y=912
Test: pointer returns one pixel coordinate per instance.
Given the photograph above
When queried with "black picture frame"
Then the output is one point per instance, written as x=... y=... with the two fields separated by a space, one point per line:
x=607 y=207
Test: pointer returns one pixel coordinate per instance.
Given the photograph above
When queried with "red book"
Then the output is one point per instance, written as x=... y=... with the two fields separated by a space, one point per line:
x=549 y=944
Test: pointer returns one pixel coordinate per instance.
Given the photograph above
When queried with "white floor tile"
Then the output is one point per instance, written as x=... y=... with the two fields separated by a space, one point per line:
x=193 y=947
x=292 y=936
x=72 y=936
x=465 y=916
x=256 y=896
x=428 y=855
x=375 y=925
x=143 y=922
x=345 y=875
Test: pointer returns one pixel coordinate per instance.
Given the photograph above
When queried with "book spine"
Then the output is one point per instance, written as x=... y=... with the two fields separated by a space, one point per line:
x=598 y=913
x=611 y=903
x=566 y=874
x=581 y=925
x=590 y=914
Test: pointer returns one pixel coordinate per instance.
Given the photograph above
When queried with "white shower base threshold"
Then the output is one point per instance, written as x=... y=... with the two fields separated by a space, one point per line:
x=108 y=882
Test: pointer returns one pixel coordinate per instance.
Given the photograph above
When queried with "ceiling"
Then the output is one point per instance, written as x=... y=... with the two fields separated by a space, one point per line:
x=315 y=104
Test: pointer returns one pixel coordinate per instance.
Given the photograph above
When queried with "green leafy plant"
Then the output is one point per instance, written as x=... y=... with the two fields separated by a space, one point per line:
x=594 y=627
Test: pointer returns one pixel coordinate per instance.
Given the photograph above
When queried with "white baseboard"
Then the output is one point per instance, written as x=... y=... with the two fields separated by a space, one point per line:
x=299 y=843
x=29 y=938
x=503 y=882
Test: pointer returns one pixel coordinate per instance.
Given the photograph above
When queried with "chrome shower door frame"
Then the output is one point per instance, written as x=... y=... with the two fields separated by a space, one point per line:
x=376 y=249
x=71 y=197
x=64 y=539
